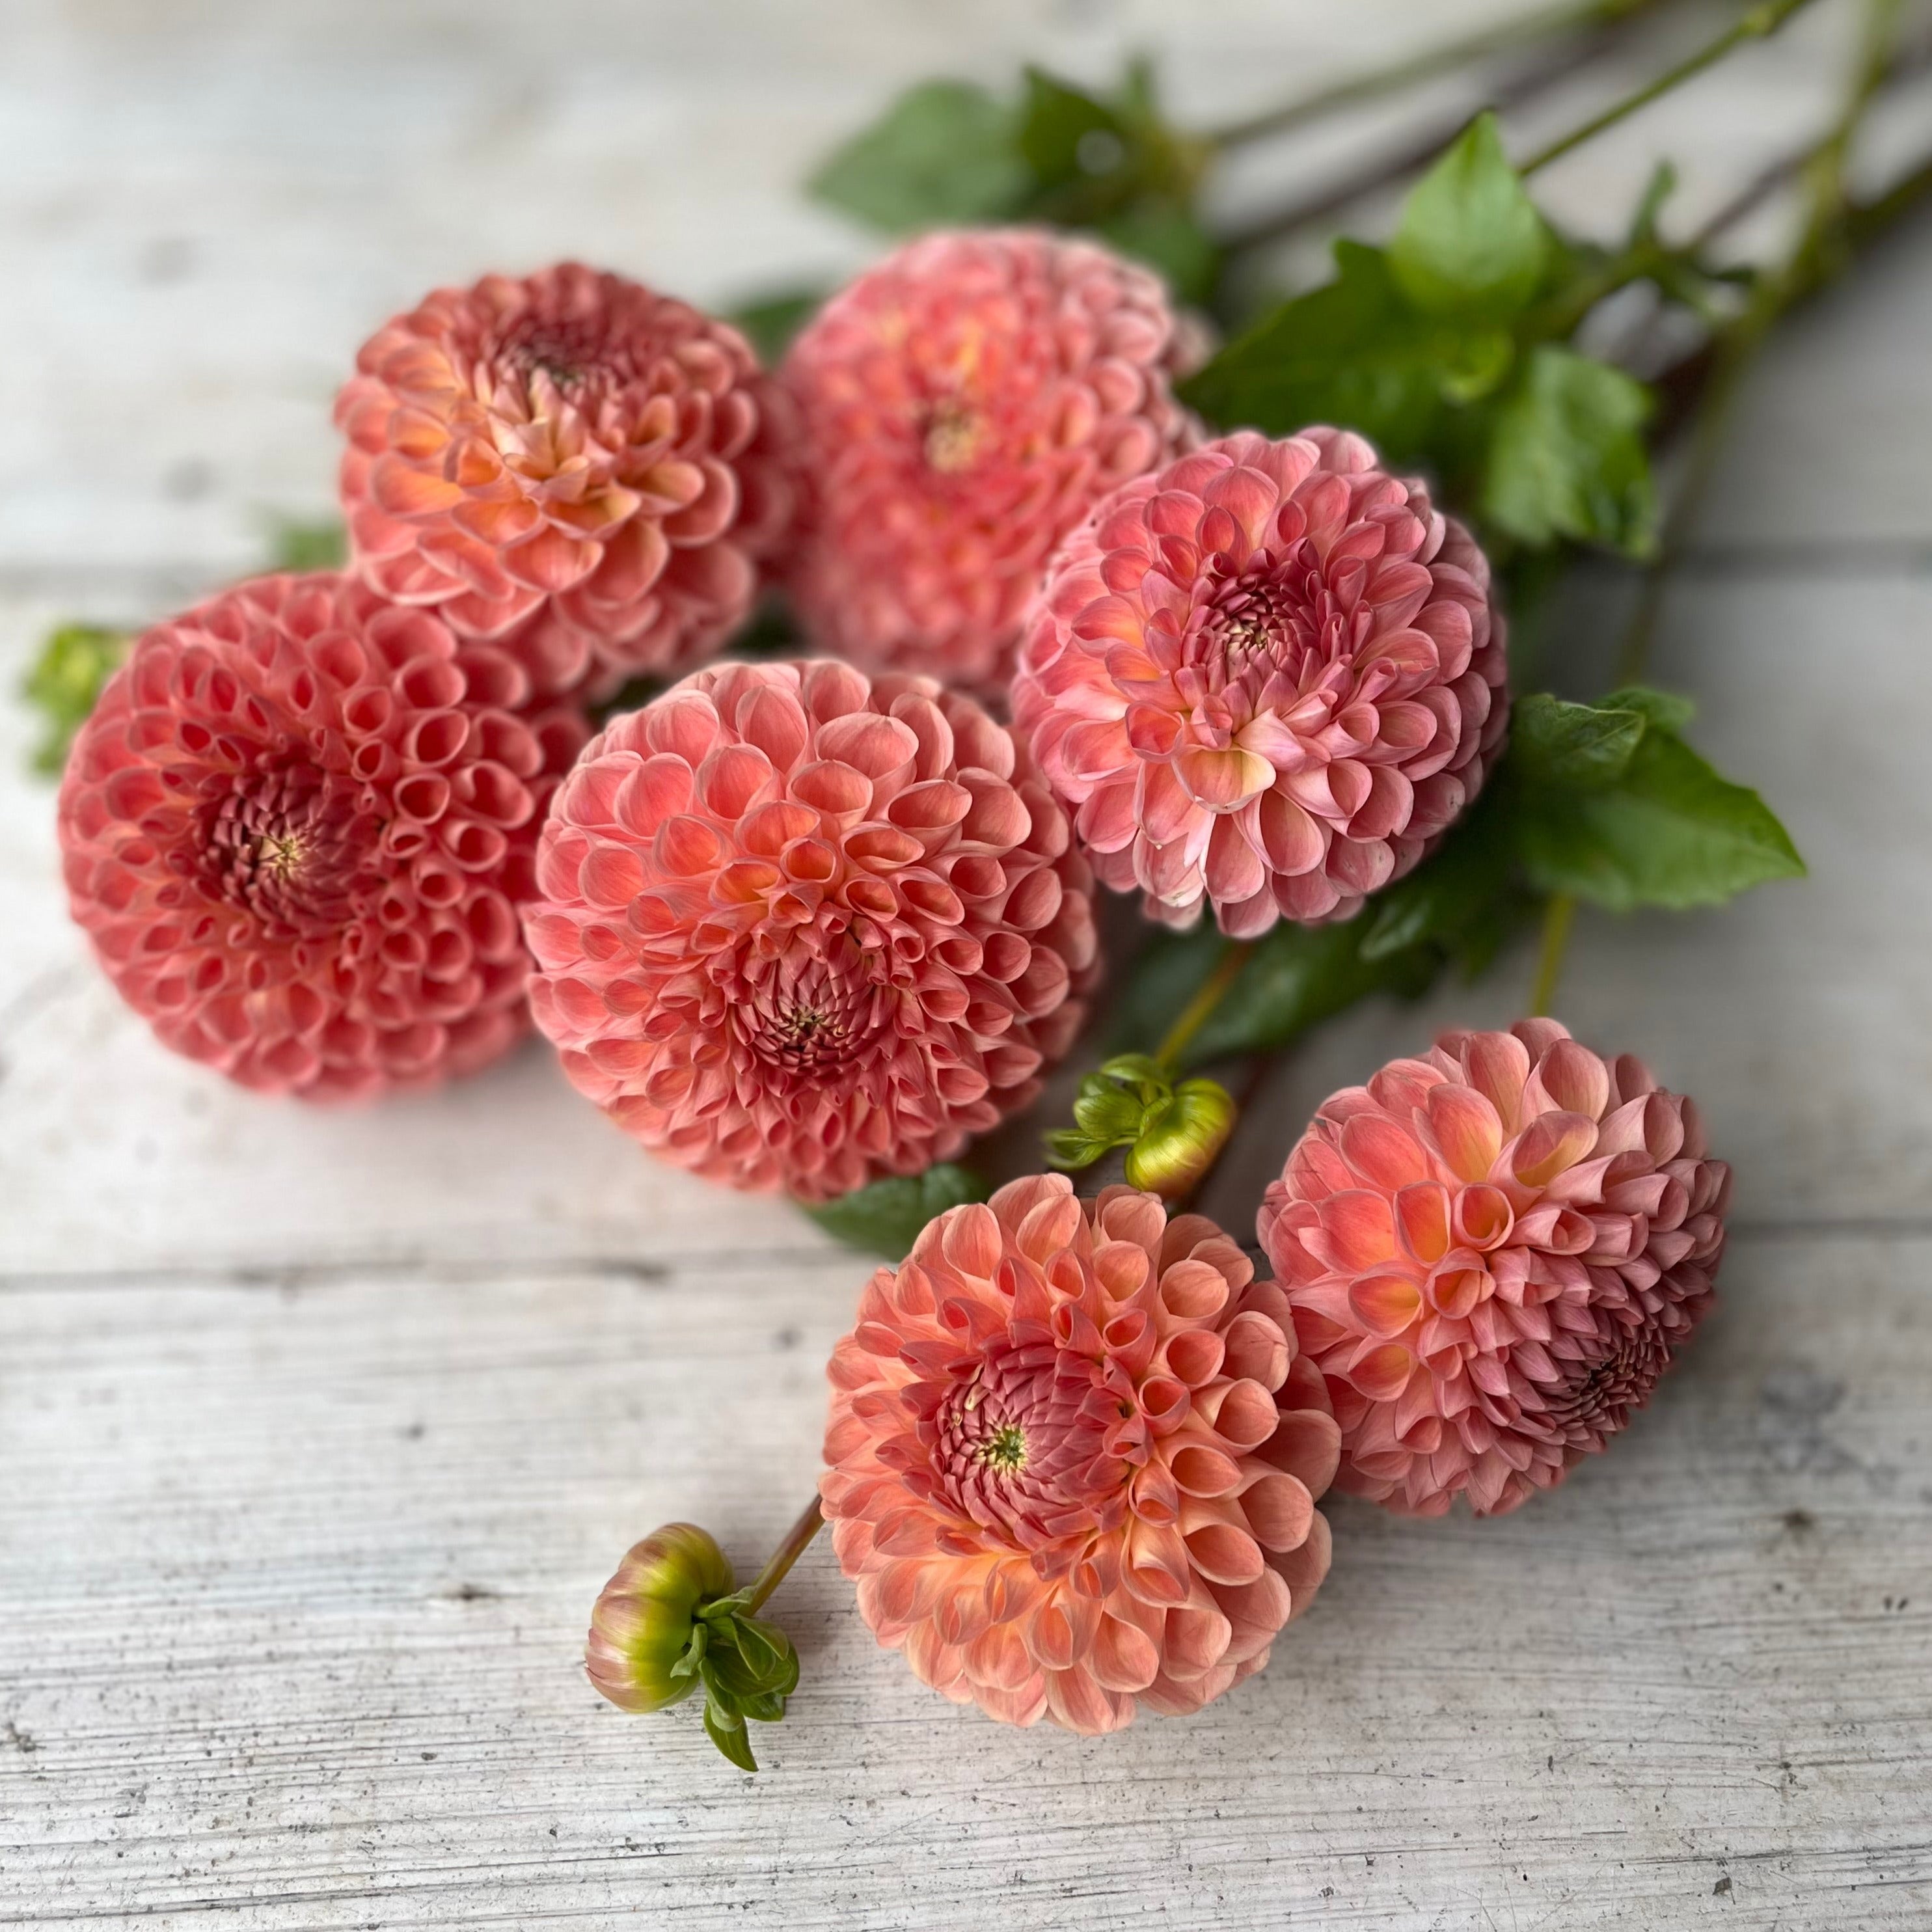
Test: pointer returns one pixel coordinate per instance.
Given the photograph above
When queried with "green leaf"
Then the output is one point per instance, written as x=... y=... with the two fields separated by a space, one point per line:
x=1166 y=972
x=1170 y=240
x=1664 y=709
x=64 y=684
x=1566 y=458
x=945 y=152
x=888 y=1216
x=1065 y=133
x=297 y=545
x=1068 y=1148
x=1470 y=241
x=1454 y=895
x=770 y=321
x=1576 y=746
x=1352 y=352
x=725 y=1725
x=1668 y=832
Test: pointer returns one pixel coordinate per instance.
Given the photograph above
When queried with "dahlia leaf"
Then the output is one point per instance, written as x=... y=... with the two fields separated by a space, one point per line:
x=1566 y=456
x=769 y=322
x=887 y=1217
x=1070 y=1149
x=1578 y=747
x=1453 y=893
x=944 y=152
x=1170 y=968
x=1665 y=709
x=1352 y=351
x=1470 y=241
x=64 y=684
x=1168 y=239
x=296 y=545
x=1066 y=135
x=725 y=1725
x=1670 y=831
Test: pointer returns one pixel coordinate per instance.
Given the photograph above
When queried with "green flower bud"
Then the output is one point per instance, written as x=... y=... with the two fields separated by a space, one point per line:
x=1181 y=1138
x=645 y=1620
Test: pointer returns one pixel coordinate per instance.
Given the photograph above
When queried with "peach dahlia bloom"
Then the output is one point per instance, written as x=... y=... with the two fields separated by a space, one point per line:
x=587 y=471
x=1493 y=1252
x=800 y=929
x=295 y=827
x=1267 y=678
x=1074 y=1458
x=965 y=403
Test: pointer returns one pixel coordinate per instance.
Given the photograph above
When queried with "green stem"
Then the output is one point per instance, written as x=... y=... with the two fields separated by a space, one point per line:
x=1197 y=1011
x=1761 y=22
x=1430 y=65
x=1558 y=918
x=1819 y=254
x=810 y=1520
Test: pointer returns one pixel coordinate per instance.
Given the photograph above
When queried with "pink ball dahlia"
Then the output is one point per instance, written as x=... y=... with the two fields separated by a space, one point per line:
x=294 y=828
x=1073 y=1458
x=570 y=464
x=800 y=929
x=1268 y=677
x=965 y=403
x=1492 y=1253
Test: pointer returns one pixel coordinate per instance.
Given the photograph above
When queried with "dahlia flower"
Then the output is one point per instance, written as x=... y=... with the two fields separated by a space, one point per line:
x=572 y=465
x=796 y=929
x=294 y=828
x=1073 y=1458
x=1268 y=677
x=965 y=404
x=1492 y=1253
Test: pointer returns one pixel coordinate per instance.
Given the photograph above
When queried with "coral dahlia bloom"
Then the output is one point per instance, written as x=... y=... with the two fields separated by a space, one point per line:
x=965 y=403
x=1268 y=677
x=571 y=464
x=798 y=929
x=1493 y=1253
x=1073 y=1458
x=294 y=828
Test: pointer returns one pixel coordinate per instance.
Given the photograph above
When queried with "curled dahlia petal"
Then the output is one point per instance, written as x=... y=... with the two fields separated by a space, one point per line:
x=296 y=827
x=964 y=405
x=1073 y=1458
x=1267 y=678
x=586 y=472
x=1492 y=1253
x=797 y=929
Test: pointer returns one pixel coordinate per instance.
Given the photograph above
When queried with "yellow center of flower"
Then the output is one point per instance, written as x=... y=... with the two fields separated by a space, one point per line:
x=953 y=435
x=1005 y=1449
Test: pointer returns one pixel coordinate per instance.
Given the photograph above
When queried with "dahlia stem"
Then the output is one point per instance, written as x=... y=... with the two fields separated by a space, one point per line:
x=1759 y=24
x=1524 y=31
x=811 y=1520
x=1828 y=230
x=1199 y=1010
x=1558 y=918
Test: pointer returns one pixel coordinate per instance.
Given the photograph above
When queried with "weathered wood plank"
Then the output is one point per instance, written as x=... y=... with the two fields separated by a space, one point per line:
x=292 y=1585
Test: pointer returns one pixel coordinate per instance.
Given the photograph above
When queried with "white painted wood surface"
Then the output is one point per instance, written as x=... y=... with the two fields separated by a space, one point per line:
x=318 y=1432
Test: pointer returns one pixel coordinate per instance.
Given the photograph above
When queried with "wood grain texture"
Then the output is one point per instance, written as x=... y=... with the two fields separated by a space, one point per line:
x=318 y=1432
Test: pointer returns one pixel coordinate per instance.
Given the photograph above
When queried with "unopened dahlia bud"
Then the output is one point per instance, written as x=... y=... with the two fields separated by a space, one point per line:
x=1181 y=1139
x=799 y=928
x=585 y=471
x=1267 y=679
x=965 y=404
x=297 y=827
x=1493 y=1252
x=644 y=1621
x=1073 y=1458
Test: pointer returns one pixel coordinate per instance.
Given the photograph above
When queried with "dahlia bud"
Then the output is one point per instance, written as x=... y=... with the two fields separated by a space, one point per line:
x=1173 y=1135
x=644 y=1621
x=1181 y=1138
x=670 y=1619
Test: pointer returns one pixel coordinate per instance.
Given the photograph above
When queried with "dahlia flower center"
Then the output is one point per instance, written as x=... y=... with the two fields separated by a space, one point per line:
x=807 y=1019
x=1023 y=1439
x=289 y=845
x=954 y=435
x=1273 y=617
x=576 y=356
x=1606 y=1390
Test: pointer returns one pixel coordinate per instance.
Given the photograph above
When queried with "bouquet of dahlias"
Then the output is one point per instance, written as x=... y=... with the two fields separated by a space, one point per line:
x=764 y=706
